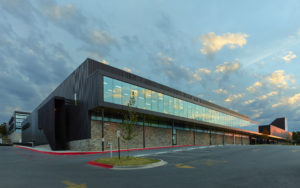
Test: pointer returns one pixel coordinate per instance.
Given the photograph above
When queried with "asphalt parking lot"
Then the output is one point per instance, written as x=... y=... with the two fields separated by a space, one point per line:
x=225 y=166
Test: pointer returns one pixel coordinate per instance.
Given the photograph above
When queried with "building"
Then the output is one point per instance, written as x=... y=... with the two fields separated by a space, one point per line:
x=85 y=111
x=14 y=128
x=277 y=128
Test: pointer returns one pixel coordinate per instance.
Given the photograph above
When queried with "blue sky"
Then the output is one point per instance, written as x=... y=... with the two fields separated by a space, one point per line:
x=242 y=55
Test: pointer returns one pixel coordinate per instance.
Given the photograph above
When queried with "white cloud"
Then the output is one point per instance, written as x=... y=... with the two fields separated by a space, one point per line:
x=258 y=114
x=228 y=67
x=264 y=97
x=101 y=37
x=288 y=101
x=254 y=86
x=164 y=59
x=249 y=101
x=234 y=97
x=203 y=70
x=104 y=62
x=287 y=58
x=220 y=91
x=280 y=79
x=58 y=12
x=197 y=77
x=212 y=43
x=127 y=69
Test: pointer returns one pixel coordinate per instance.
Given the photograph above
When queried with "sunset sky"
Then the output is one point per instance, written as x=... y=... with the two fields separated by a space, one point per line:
x=242 y=55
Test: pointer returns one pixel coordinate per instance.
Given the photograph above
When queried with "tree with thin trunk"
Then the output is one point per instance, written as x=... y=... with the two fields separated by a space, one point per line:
x=3 y=129
x=130 y=119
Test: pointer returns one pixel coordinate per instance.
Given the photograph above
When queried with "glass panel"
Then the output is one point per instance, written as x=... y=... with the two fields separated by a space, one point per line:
x=107 y=82
x=176 y=107
x=148 y=98
x=141 y=98
x=117 y=92
x=160 y=102
x=125 y=93
x=166 y=104
x=154 y=101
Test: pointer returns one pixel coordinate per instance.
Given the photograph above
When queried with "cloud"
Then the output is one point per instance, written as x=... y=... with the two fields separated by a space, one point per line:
x=212 y=43
x=228 y=67
x=257 y=115
x=101 y=37
x=279 y=79
x=288 y=101
x=264 y=97
x=287 y=58
x=254 y=86
x=203 y=70
x=249 y=101
x=127 y=69
x=73 y=21
x=234 y=97
x=220 y=91
x=20 y=9
x=164 y=59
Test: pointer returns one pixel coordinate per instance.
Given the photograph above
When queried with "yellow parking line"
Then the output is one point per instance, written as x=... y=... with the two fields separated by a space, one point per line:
x=74 y=185
x=180 y=165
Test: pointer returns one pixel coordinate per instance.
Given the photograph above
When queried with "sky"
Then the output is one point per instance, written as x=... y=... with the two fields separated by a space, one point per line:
x=242 y=55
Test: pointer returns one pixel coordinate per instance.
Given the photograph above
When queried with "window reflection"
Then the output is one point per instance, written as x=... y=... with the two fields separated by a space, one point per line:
x=119 y=92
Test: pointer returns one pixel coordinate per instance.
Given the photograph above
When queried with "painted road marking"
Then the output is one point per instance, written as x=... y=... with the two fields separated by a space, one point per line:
x=73 y=185
x=181 y=165
x=209 y=162
x=163 y=152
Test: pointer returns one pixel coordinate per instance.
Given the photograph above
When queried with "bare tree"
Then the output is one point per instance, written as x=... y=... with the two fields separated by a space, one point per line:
x=130 y=119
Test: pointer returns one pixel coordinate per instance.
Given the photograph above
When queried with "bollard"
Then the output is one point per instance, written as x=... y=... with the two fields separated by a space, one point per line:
x=110 y=147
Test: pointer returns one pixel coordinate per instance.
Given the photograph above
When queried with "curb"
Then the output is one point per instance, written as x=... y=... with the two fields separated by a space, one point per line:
x=102 y=152
x=108 y=166
x=100 y=164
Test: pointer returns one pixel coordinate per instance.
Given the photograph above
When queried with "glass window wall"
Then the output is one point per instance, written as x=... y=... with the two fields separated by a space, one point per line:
x=119 y=92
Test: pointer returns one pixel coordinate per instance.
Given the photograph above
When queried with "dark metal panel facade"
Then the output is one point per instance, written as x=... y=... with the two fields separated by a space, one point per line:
x=86 y=88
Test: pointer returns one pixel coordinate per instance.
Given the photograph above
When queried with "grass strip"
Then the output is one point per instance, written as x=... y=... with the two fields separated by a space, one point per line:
x=126 y=161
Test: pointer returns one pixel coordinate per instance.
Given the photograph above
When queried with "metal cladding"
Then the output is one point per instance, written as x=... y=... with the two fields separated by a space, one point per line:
x=280 y=123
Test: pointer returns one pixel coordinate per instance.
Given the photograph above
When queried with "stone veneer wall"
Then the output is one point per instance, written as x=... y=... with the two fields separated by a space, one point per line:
x=228 y=139
x=216 y=139
x=15 y=137
x=185 y=137
x=202 y=138
x=246 y=141
x=154 y=137
x=238 y=140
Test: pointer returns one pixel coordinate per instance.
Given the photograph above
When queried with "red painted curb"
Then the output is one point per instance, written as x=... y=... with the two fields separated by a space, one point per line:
x=100 y=164
x=100 y=152
x=63 y=153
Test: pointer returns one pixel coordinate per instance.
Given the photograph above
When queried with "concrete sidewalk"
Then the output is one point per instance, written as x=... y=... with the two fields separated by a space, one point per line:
x=137 y=152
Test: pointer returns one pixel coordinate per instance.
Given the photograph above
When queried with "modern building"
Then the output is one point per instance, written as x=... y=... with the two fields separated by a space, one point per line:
x=85 y=111
x=277 y=128
x=14 y=128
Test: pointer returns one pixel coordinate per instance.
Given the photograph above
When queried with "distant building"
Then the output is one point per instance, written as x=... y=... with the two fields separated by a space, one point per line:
x=14 y=126
x=86 y=109
x=277 y=128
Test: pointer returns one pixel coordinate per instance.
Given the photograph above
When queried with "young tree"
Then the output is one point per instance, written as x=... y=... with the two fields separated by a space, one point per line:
x=3 y=129
x=130 y=120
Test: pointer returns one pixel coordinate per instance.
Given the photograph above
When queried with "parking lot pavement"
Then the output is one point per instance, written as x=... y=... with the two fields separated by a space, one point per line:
x=228 y=166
